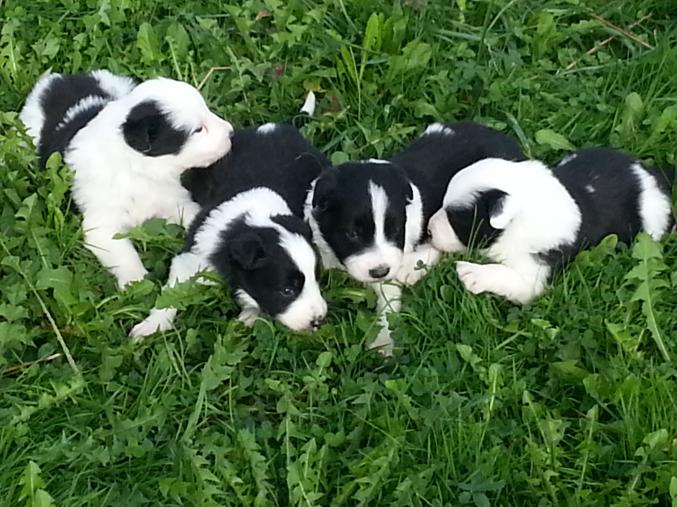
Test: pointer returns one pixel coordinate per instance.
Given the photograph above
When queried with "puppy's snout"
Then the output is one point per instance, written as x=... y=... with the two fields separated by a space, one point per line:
x=379 y=271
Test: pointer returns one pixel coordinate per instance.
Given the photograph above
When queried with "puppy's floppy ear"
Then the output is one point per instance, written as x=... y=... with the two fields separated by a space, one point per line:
x=141 y=126
x=500 y=207
x=325 y=187
x=246 y=250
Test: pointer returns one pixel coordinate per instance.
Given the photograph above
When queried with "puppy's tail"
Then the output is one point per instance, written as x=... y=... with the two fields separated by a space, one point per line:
x=306 y=111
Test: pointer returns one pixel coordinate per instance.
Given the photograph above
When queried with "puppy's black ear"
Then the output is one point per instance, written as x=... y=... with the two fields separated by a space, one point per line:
x=500 y=208
x=247 y=250
x=323 y=196
x=142 y=126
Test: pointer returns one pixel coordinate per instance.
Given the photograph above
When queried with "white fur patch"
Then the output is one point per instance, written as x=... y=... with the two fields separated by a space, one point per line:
x=442 y=235
x=309 y=104
x=382 y=254
x=114 y=85
x=258 y=203
x=266 y=128
x=590 y=189
x=329 y=259
x=414 y=220
x=438 y=128
x=250 y=308
x=654 y=205
x=377 y=161
x=567 y=159
x=80 y=106
x=32 y=114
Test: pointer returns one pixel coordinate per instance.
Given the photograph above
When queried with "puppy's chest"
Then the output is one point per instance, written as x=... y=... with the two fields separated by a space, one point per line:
x=134 y=200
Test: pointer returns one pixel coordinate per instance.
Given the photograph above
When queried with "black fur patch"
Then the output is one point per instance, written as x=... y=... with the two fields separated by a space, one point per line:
x=282 y=160
x=472 y=223
x=63 y=93
x=148 y=130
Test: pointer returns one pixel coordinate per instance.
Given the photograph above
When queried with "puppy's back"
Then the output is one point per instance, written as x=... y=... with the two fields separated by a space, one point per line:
x=616 y=194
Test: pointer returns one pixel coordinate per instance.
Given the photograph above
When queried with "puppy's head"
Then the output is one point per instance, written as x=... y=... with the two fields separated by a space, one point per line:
x=476 y=219
x=167 y=118
x=361 y=212
x=271 y=266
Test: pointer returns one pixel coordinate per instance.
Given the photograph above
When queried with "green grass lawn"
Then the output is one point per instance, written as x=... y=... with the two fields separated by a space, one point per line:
x=569 y=401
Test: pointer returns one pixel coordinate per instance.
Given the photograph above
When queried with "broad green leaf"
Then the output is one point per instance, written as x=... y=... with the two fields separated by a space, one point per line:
x=553 y=140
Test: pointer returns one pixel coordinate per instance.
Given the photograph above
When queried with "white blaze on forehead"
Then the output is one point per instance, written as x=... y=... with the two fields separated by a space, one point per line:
x=414 y=220
x=382 y=253
x=654 y=205
x=377 y=161
x=379 y=206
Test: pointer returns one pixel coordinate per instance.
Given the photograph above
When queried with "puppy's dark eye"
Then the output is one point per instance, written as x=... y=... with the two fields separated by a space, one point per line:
x=288 y=291
x=199 y=129
x=351 y=235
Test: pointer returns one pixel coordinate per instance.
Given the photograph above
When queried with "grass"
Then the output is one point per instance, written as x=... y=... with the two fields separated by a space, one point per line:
x=569 y=401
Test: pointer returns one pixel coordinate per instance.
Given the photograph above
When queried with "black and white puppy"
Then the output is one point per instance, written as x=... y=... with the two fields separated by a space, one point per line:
x=127 y=145
x=254 y=234
x=530 y=220
x=370 y=218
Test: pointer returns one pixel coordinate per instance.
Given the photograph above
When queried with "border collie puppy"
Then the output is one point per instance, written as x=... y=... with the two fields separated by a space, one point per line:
x=254 y=234
x=530 y=221
x=127 y=146
x=370 y=218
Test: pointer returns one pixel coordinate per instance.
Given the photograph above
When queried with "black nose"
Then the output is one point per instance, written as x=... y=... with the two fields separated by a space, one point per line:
x=379 y=271
x=318 y=321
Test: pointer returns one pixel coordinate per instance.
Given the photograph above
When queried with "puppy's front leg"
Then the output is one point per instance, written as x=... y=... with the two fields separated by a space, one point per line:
x=409 y=272
x=184 y=266
x=389 y=300
x=517 y=285
x=117 y=255
x=183 y=214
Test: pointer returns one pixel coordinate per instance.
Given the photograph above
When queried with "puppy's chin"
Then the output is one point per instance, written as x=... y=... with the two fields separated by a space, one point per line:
x=442 y=236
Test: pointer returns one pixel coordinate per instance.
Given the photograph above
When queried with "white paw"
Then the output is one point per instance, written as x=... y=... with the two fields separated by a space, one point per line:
x=410 y=275
x=475 y=277
x=383 y=343
x=130 y=276
x=158 y=320
x=248 y=316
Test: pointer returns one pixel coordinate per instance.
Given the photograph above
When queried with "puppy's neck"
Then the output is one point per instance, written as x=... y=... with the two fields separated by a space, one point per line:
x=258 y=204
x=327 y=255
